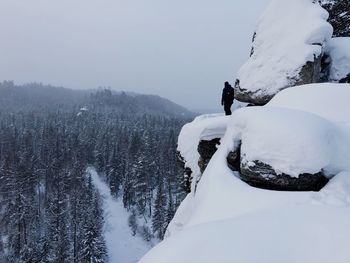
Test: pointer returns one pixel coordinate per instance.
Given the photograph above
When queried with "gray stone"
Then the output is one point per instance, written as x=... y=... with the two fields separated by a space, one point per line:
x=310 y=72
x=262 y=175
x=234 y=159
x=247 y=96
x=206 y=150
x=186 y=184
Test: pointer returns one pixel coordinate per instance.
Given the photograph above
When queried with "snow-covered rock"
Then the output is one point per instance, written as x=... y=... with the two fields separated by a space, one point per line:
x=287 y=49
x=271 y=142
x=275 y=143
x=204 y=127
x=297 y=123
x=338 y=51
x=303 y=129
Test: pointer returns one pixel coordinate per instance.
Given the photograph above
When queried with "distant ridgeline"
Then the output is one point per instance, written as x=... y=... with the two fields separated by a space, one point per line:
x=49 y=210
x=37 y=96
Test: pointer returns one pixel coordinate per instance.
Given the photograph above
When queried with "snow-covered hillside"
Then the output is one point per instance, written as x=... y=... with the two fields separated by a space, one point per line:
x=226 y=220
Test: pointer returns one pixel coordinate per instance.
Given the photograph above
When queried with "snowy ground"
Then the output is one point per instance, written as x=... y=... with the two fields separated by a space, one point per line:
x=230 y=221
x=121 y=245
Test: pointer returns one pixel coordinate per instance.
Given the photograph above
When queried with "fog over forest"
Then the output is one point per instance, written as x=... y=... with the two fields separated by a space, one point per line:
x=176 y=49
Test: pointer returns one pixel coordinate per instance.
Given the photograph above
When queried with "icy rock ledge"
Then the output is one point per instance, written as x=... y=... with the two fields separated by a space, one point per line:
x=198 y=141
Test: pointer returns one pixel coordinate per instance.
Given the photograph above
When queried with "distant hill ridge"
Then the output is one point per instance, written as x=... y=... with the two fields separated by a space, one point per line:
x=36 y=96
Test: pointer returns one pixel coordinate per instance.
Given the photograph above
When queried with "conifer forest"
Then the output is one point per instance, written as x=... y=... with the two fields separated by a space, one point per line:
x=50 y=211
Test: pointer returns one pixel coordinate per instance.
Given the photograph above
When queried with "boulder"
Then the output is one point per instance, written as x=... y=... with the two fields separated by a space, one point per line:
x=264 y=176
x=259 y=174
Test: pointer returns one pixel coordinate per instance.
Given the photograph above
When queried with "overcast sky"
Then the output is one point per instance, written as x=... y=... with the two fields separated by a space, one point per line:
x=181 y=49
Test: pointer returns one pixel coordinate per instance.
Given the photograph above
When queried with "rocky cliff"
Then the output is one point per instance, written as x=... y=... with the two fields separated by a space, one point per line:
x=271 y=183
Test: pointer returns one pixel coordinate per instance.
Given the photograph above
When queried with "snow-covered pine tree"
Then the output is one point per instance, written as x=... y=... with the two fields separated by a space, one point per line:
x=339 y=16
x=114 y=173
x=44 y=153
x=93 y=247
x=159 y=212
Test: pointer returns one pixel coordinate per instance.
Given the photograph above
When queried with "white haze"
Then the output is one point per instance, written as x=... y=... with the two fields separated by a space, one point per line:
x=183 y=50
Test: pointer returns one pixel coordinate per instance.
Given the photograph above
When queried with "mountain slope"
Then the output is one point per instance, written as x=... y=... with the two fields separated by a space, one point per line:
x=37 y=96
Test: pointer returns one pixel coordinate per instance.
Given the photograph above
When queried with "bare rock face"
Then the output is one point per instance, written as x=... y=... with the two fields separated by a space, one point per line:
x=234 y=159
x=263 y=176
x=186 y=184
x=310 y=72
x=206 y=150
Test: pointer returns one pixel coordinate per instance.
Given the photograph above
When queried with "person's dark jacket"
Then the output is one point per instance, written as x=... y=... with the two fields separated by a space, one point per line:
x=227 y=95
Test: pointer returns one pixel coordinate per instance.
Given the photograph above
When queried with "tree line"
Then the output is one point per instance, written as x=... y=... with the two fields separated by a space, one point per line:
x=50 y=210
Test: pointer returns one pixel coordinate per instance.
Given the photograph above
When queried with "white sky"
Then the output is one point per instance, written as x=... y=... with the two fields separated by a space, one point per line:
x=181 y=49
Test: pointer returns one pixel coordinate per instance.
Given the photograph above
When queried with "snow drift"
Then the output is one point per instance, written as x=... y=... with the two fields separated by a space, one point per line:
x=244 y=239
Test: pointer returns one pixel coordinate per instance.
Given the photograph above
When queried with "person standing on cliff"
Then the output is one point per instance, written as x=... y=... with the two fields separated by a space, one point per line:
x=227 y=98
